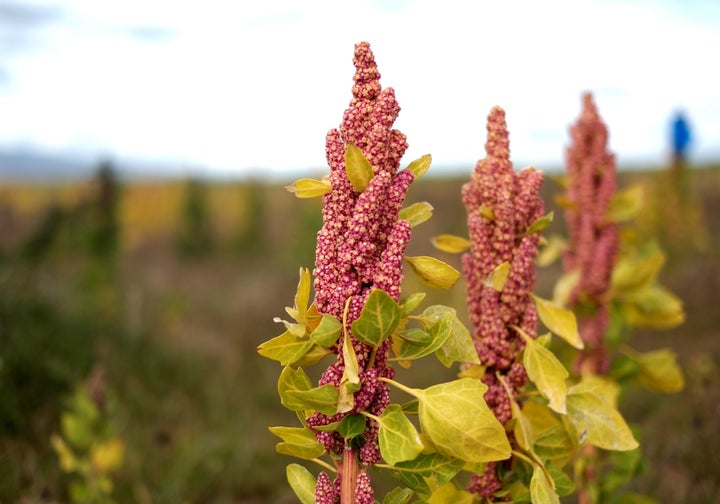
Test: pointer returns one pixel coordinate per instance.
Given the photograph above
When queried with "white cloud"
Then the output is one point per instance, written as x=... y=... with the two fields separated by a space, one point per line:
x=249 y=84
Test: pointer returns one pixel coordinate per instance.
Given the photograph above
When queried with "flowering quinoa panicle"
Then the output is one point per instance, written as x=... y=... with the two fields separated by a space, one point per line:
x=501 y=205
x=361 y=247
x=594 y=240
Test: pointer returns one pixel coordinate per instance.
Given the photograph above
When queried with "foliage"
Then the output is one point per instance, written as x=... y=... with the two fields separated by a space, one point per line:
x=88 y=446
x=195 y=236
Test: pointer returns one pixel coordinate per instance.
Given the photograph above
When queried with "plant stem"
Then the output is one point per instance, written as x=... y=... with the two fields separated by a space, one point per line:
x=348 y=476
x=402 y=387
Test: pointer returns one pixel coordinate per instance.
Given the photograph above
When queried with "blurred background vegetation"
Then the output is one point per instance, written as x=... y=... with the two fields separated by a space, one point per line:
x=130 y=314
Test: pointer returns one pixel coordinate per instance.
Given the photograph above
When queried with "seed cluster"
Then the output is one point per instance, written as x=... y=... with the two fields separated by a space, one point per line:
x=594 y=240
x=501 y=205
x=359 y=248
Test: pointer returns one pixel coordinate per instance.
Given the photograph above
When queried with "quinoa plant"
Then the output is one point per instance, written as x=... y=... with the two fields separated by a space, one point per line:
x=611 y=283
x=358 y=320
x=547 y=416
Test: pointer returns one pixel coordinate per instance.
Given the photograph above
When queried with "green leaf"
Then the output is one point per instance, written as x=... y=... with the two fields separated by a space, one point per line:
x=592 y=412
x=417 y=213
x=541 y=490
x=358 y=168
x=498 y=276
x=352 y=426
x=560 y=321
x=323 y=398
x=450 y=243
x=433 y=272
x=302 y=483
x=546 y=372
x=659 y=371
x=398 y=496
x=309 y=188
x=327 y=332
x=438 y=334
x=541 y=224
x=420 y=166
x=459 y=345
x=398 y=439
x=410 y=303
x=456 y=419
x=298 y=442
x=414 y=481
x=625 y=204
x=378 y=319
x=286 y=348
x=564 y=485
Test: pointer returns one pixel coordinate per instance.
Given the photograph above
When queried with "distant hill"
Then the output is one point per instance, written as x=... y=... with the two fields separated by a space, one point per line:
x=40 y=167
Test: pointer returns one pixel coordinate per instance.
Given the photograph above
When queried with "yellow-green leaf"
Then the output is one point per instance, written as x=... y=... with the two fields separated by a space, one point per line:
x=541 y=490
x=323 y=398
x=417 y=213
x=540 y=225
x=592 y=412
x=634 y=272
x=625 y=204
x=358 y=168
x=433 y=272
x=302 y=483
x=450 y=493
x=437 y=334
x=327 y=332
x=487 y=212
x=286 y=348
x=309 y=188
x=297 y=442
x=498 y=276
x=350 y=380
x=551 y=251
x=302 y=296
x=68 y=461
x=546 y=372
x=399 y=440
x=379 y=318
x=659 y=371
x=459 y=345
x=420 y=166
x=560 y=321
x=456 y=419
x=565 y=286
x=108 y=455
x=398 y=496
x=653 y=306
x=313 y=356
x=451 y=243
x=410 y=303
x=292 y=379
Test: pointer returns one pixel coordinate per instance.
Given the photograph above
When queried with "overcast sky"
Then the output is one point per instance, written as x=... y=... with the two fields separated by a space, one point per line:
x=235 y=85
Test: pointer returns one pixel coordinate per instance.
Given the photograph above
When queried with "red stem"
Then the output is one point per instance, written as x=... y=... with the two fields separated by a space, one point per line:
x=348 y=472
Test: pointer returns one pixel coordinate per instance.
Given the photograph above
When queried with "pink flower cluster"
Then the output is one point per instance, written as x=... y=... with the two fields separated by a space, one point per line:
x=594 y=240
x=361 y=247
x=501 y=205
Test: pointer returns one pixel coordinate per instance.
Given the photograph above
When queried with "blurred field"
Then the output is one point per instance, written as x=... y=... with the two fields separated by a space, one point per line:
x=176 y=326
